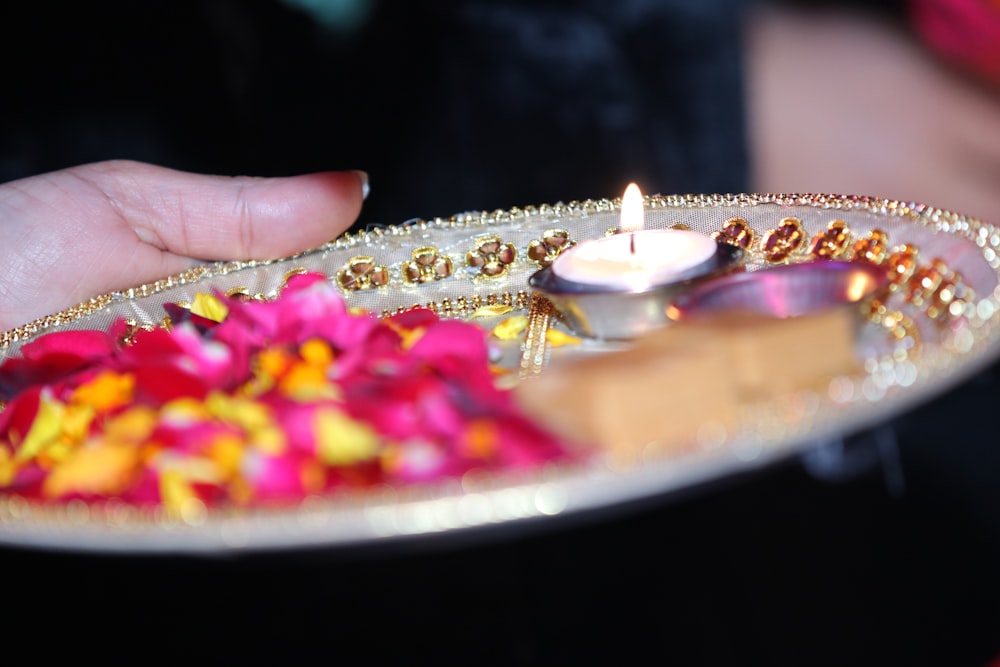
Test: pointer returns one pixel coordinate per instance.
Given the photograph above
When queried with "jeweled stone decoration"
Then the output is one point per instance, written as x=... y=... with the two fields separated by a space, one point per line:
x=426 y=264
x=491 y=256
x=553 y=243
x=831 y=243
x=925 y=282
x=737 y=232
x=361 y=273
x=901 y=264
x=779 y=243
x=873 y=248
x=939 y=290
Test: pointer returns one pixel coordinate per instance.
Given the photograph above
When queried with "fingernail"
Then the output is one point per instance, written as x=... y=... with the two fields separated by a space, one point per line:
x=363 y=175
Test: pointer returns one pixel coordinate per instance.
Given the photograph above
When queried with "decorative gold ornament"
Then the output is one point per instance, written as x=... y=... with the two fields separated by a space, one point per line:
x=553 y=243
x=426 y=264
x=781 y=242
x=901 y=264
x=947 y=300
x=361 y=273
x=899 y=325
x=872 y=248
x=491 y=256
x=831 y=243
x=534 y=351
x=242 y=293
x=938 y=290
x=133 y=327
x=737 y=232
x=291 y=273
x=925 y=282
x=463 y=306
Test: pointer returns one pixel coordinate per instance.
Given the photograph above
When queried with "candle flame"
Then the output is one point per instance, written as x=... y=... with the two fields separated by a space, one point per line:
x=633 y=215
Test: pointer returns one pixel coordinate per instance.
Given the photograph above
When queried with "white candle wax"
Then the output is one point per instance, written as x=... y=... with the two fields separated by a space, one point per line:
x=634 y=260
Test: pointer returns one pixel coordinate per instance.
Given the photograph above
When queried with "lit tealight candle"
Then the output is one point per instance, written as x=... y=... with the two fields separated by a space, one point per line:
x=636 y=258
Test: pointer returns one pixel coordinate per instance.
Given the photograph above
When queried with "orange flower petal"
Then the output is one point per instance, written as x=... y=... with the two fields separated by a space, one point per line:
x=102 y=468
x=107 y=391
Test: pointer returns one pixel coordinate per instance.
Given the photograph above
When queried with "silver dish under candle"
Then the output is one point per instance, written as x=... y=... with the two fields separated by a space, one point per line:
x=613 y=313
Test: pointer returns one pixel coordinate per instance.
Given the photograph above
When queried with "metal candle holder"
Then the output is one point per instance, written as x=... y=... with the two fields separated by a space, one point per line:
x=614 y=313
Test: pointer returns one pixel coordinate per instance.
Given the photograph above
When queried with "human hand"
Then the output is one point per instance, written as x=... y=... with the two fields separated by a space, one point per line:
x=68 y=235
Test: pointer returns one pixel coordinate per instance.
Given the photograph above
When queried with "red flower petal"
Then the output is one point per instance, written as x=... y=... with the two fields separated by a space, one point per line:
x=158 y=384
x=16 y=418
x=83 y=345
x=53 y=357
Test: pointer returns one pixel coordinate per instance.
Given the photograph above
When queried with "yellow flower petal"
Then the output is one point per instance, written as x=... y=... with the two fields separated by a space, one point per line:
x=76 y=420
x=192 y=469
x=227 y=452
x=253 y=417
x=245 y=413
x=316 y=352
x=557 y=338
x=179 y=500
x=54 y=454
x=45 y=430
x=273 y=361
x=341 y=440
x=305 y=382
x=8 y=468
x=209 y=306
x=409 y=336
x=511 y=328
x=184 y=412
x=270 y=440
x=491 y=311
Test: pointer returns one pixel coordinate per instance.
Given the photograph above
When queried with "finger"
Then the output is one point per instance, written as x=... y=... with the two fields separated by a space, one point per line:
x=221 y=217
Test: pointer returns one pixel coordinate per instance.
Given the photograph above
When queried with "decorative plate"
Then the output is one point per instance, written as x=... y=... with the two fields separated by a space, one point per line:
x=937 y=326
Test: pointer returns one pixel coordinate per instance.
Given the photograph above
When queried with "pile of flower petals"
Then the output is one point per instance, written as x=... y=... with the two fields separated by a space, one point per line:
x=280 y=400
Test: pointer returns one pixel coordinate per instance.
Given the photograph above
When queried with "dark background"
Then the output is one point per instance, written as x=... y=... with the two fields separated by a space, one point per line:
x=476 y=105
x=451 y=106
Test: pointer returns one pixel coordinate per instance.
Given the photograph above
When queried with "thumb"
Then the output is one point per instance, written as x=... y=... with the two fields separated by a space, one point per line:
x=232 y=218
